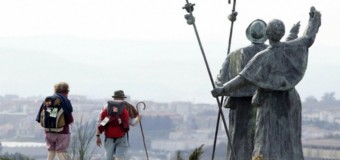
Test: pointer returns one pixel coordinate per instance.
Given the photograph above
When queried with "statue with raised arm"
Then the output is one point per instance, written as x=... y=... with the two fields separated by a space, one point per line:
x=275 y=72
x=242 y=113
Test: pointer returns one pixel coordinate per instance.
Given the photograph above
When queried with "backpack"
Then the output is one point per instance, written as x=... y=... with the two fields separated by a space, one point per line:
x=114 y=111
x=52 y=116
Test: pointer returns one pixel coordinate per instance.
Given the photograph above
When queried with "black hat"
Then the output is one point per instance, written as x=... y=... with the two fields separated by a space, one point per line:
x=119 y=94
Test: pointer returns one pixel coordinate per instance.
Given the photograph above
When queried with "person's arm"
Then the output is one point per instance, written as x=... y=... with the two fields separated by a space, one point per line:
x=135 y=117
x=98 y=140
x=133 y=113
x=313 y=26
x=98 y=132
x=38 y=115
x=134 y=121
x=70 y=118
x=230 y=86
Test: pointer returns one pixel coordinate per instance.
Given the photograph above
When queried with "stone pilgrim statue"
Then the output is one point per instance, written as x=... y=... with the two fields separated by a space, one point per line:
x=275 y=72
x=242 y=113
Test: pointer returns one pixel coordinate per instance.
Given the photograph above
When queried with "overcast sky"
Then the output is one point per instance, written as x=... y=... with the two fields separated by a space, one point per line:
x=149 y=44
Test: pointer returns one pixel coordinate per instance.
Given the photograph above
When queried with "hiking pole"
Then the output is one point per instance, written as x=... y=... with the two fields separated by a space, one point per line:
x=141 y=129
x=189 y=7
x=232 y=18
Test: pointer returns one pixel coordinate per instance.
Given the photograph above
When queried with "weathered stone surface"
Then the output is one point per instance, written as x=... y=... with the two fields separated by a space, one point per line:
x=241 y=127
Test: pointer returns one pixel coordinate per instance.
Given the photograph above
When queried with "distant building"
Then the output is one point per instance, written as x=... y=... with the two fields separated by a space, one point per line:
x=321 y=149
x=326 y=116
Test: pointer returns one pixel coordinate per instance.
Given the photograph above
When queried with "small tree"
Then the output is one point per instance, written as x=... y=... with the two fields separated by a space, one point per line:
x=329 y=98
x=82 y=144
x=197 y=153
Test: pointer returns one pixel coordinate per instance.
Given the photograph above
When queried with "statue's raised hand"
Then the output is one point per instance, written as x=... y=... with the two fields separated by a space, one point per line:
x=295 y=29
x=314 y=14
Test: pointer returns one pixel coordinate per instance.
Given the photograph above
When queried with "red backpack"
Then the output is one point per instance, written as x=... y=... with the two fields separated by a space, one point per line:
x=114 y=118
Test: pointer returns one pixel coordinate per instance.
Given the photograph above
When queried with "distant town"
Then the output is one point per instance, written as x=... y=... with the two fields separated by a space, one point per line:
x=168 y=128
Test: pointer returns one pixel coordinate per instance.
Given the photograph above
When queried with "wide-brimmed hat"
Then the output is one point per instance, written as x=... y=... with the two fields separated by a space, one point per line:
x=256 y=31
x=119 y=94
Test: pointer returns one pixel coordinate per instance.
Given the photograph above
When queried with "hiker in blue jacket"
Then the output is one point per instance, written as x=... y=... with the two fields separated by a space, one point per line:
x=57 y=139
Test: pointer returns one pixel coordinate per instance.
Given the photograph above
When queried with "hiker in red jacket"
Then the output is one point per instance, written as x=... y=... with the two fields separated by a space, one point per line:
x=114 y=122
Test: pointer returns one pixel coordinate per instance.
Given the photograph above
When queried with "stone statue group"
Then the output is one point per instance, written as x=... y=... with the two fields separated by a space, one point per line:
x=259 y=82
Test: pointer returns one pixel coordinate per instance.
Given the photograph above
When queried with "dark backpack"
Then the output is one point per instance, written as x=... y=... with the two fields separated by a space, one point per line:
x=114 y=111
x=52 y=116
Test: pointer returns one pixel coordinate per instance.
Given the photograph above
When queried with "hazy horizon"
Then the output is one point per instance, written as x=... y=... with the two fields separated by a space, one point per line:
x=33 y=68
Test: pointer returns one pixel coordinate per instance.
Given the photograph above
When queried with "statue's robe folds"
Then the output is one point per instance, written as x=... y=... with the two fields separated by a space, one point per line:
x=241 y=114
x=276 y=71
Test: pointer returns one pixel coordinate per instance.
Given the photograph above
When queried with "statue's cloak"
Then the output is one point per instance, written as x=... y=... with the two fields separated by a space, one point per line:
x=279 y=67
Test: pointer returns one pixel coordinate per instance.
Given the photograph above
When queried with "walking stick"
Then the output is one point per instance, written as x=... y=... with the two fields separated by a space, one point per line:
x=232 y=18
x=189 y=7
x=141 y=129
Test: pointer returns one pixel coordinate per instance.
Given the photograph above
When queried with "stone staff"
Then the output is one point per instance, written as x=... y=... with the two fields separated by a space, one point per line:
x=232 y=18
x=189 y=7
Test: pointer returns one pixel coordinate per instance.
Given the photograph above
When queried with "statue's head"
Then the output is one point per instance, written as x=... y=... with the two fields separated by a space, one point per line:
x=256 y=31
x=275 y=30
